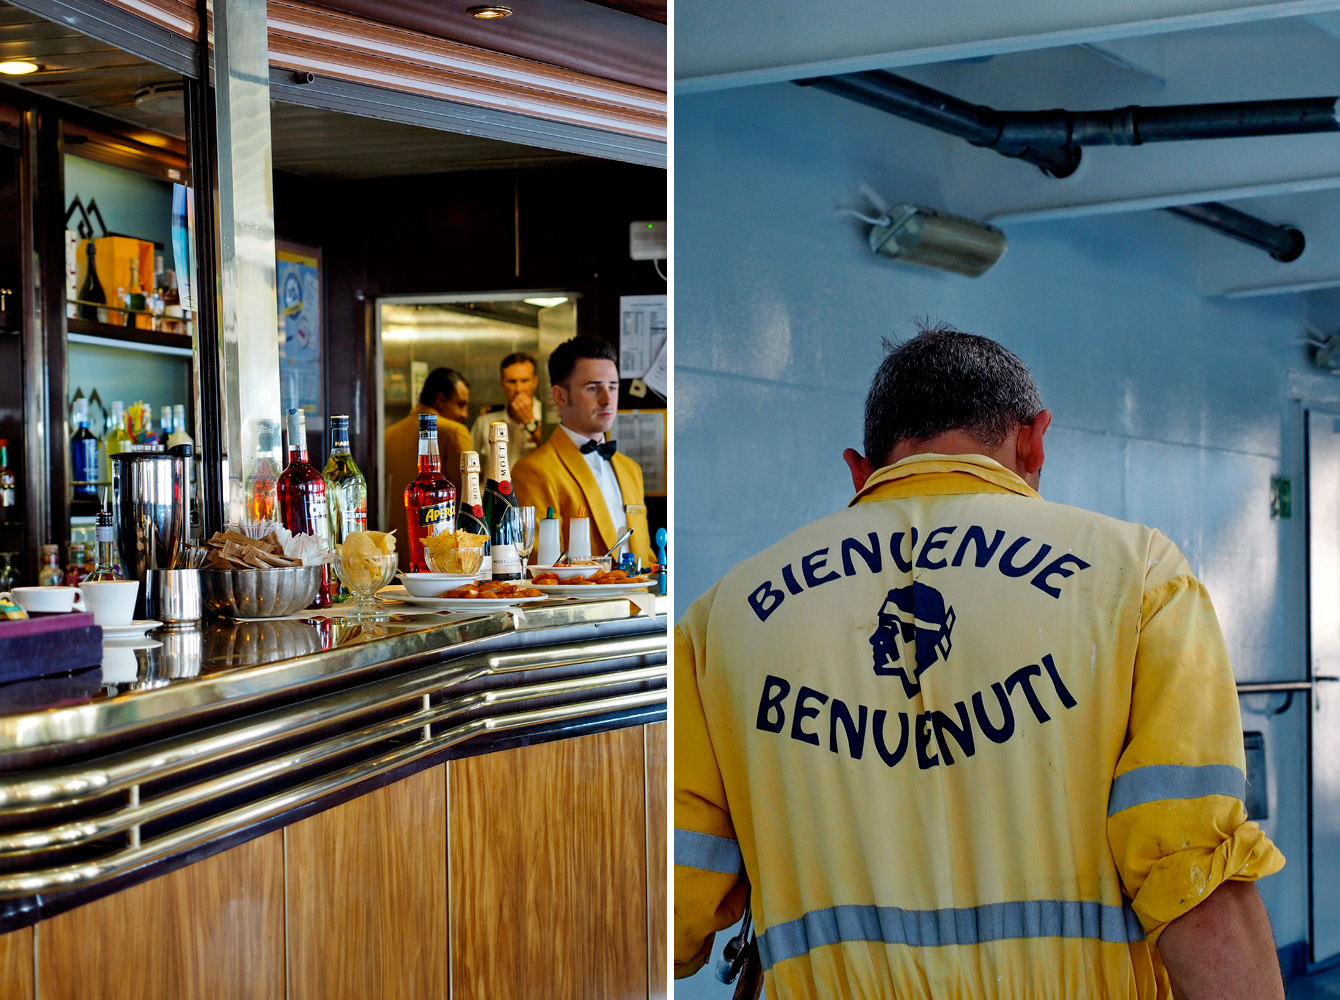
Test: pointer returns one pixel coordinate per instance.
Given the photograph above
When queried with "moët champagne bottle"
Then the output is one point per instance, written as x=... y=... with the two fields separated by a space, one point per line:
x=471 y=516
x=499 y=498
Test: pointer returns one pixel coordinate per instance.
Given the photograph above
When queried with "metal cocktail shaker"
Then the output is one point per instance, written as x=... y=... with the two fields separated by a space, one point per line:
x=149 y=505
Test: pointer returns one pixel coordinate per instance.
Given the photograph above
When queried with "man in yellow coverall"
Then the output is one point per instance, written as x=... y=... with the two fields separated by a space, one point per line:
x=958 y=741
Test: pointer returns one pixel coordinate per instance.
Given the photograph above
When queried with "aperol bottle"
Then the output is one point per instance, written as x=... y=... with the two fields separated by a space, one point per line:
x=430 y=500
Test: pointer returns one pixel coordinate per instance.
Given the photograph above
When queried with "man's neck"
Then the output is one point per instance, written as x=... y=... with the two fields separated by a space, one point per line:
x=598 y=436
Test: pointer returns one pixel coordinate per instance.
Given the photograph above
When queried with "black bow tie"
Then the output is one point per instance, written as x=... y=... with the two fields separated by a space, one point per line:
x=606 y=450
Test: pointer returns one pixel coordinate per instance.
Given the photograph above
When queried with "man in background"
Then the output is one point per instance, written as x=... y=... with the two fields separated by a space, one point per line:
x=519 y=379
x=446 y=393
x=958 y=741
x=577 y=472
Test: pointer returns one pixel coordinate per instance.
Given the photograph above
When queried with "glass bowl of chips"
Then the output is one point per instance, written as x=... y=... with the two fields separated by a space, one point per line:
x=365 y=563
x=455 y=553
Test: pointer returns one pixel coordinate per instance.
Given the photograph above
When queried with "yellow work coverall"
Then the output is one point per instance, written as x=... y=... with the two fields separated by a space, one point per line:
x=963 y=743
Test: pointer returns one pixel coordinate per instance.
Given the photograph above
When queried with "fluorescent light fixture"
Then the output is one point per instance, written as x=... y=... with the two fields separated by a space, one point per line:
x=18 y=67
x=545 y=303
x=489 y=12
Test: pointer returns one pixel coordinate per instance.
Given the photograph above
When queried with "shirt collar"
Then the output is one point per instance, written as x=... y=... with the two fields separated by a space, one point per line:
x=936 y=474
x=579 y=439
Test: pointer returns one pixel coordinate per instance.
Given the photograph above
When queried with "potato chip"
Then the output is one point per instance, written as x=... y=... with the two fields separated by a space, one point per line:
x=455 y=552
x=363 y=559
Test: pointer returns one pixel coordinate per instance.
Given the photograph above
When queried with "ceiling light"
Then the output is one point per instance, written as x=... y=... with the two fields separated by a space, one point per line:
x=489 y=12
x=16 y=67
x=546 y=303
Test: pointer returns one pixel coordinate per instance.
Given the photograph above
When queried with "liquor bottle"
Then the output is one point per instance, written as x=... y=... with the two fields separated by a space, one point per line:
x=302 y=496
x=9 y=485
x=74 y=569
x=117 y=440
x=498 y=500
x=179 y=433
x=83 y=455
x=107 y=567
x=50 y=574
x=346 y=489
x=471 y=517
x=165 y=426
x=430 y=500
x=261 y=496
x=91 y=289
x=136 y=298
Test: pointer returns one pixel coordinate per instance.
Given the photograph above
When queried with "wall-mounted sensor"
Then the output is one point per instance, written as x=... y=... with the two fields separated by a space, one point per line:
x=932 y=239
x=648 y=240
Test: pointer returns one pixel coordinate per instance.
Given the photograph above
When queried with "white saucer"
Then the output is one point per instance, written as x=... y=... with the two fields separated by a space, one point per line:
x=130 y=631
x=130 y=642
x=590 y=589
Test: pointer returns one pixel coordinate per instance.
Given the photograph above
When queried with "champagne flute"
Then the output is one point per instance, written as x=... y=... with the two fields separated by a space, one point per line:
x=523 y=528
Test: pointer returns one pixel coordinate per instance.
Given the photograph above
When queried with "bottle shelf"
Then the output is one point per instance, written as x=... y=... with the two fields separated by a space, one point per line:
x=128 y=334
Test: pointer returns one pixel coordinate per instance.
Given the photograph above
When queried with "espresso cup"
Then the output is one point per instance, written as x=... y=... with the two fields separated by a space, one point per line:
x=48 y=600
x=112 y=602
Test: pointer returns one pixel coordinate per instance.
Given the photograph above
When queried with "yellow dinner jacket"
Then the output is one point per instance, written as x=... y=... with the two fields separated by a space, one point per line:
x=556 y=475
x=963 y=742
x=401 y=459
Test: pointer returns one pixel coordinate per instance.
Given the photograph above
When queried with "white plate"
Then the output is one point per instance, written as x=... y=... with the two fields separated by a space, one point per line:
x=568 y=572
x=135 y=628
x=131 y=642
x=589 y=589
x=455 y=603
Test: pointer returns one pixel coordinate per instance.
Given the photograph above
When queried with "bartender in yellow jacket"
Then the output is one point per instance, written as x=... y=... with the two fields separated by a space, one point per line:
x=577 y=471
x=958 y=741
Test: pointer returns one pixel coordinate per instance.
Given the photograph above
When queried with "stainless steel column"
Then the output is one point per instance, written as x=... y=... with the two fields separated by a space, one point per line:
x=248 y=322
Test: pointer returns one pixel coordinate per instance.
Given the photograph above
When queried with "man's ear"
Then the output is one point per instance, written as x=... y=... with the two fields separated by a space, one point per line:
x=559 y=395
x=1028 y=447
x=861 y=468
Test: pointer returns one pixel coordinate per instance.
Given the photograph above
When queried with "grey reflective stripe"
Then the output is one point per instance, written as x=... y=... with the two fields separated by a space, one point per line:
x=1174 y=781
x=709 y=853
x=1033 y=918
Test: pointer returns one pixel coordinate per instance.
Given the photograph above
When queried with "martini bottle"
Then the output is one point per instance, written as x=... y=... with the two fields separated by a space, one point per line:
x=346 y=490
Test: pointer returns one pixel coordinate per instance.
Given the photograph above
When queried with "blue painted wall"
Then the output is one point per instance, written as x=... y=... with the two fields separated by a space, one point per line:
x=1170 y=409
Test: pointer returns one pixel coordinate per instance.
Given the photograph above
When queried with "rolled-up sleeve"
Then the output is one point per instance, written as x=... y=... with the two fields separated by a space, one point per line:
x=710 y=889
x=1176 y=821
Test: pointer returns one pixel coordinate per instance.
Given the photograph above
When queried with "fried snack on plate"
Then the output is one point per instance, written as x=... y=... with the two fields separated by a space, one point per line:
x=546 y=580
x=455 y=551
x=362 y=557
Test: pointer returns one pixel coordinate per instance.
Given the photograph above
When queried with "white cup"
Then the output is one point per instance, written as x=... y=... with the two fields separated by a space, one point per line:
x=111 y=601
x=579 y=538
x=48 y=600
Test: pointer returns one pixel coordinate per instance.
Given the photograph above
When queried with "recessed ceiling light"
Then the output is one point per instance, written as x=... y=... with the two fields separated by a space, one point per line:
x=546 y=303
x=489 y=12
x=16 y=67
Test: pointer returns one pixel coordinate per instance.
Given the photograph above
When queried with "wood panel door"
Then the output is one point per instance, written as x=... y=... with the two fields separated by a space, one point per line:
x=367 y=896
x=658 y=972
x=213 y=930
x=548 y=871
x=16 y=964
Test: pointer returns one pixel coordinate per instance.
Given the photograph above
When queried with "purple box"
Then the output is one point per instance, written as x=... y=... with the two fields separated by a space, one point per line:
x=48 y=645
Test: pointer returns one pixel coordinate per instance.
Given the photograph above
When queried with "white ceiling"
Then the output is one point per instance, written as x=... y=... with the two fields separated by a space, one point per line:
x=1115 y=53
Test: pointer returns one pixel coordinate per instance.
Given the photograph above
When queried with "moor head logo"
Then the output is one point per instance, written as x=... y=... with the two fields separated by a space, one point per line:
x=914 y=632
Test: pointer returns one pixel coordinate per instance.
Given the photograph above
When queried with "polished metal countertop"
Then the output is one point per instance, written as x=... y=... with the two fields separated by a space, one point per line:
x=181 y=678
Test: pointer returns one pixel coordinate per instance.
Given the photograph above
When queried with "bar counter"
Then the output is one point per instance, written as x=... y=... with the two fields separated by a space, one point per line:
x=482 y=797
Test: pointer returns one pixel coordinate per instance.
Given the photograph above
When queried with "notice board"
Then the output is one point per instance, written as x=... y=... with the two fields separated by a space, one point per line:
x=641 y=435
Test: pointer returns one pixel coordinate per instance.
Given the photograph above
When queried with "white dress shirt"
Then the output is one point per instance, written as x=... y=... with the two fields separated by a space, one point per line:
x=603 y=470
x=519 y=442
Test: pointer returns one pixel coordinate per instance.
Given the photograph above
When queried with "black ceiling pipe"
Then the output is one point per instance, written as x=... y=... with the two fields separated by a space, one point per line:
x=1284 y=243
x=1051 y=140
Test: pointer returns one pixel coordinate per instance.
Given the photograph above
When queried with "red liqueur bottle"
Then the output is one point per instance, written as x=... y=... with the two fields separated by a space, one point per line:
x=430 y=500
x=301 y=492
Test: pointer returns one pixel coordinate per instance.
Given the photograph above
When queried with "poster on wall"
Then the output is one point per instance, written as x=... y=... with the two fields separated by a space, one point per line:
x=641 y=435
x=642 y=333
x=298 y=280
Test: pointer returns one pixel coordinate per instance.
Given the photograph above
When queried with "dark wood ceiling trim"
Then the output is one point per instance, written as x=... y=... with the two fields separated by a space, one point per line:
x=466 y=119
x=162 y=38
x=304 y=37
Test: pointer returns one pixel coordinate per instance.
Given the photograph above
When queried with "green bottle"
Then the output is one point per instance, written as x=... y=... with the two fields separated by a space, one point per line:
x=346 y=490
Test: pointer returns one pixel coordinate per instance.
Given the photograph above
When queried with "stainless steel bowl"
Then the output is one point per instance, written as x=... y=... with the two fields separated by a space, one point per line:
x=259 y=593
